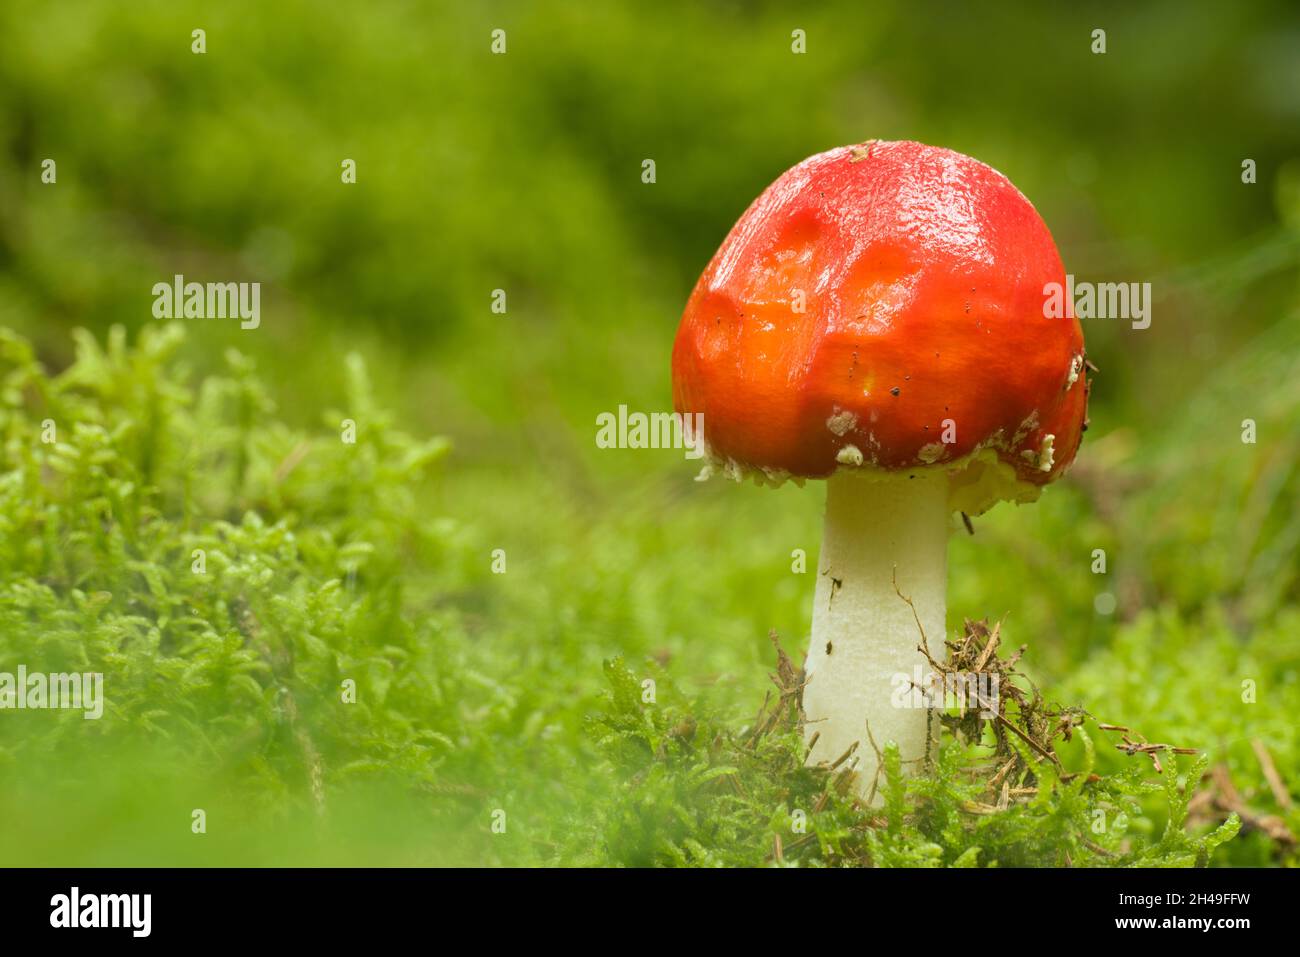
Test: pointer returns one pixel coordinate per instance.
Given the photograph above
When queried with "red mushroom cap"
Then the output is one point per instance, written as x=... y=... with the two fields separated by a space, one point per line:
x=882 y=306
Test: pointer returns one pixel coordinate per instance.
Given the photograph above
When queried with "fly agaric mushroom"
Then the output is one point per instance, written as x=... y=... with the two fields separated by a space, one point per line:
x=876 y=318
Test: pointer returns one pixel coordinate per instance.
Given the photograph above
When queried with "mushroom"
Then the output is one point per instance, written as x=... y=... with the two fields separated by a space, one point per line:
x=876 y=319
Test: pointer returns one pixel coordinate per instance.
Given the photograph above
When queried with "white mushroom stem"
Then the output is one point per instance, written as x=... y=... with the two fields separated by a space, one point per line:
x=864 y=653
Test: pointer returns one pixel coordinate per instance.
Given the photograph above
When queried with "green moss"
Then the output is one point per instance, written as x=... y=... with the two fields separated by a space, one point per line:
x=235 y=578
x=696 y=792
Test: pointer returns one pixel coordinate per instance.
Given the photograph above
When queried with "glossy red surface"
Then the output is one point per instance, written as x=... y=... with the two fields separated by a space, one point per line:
x=921 y=273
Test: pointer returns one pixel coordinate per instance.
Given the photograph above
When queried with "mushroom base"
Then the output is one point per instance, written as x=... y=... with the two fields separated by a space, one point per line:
x=864 y=660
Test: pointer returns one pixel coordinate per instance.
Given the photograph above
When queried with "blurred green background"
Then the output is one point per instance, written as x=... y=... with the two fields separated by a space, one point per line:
x=522 y=172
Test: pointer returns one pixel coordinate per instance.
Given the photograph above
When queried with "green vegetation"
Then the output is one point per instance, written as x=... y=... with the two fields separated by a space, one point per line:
x=229 y=575
x=181 y=509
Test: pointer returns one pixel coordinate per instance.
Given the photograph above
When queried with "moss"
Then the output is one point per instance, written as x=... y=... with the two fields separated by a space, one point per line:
x=698 y=793
x=237 y=580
